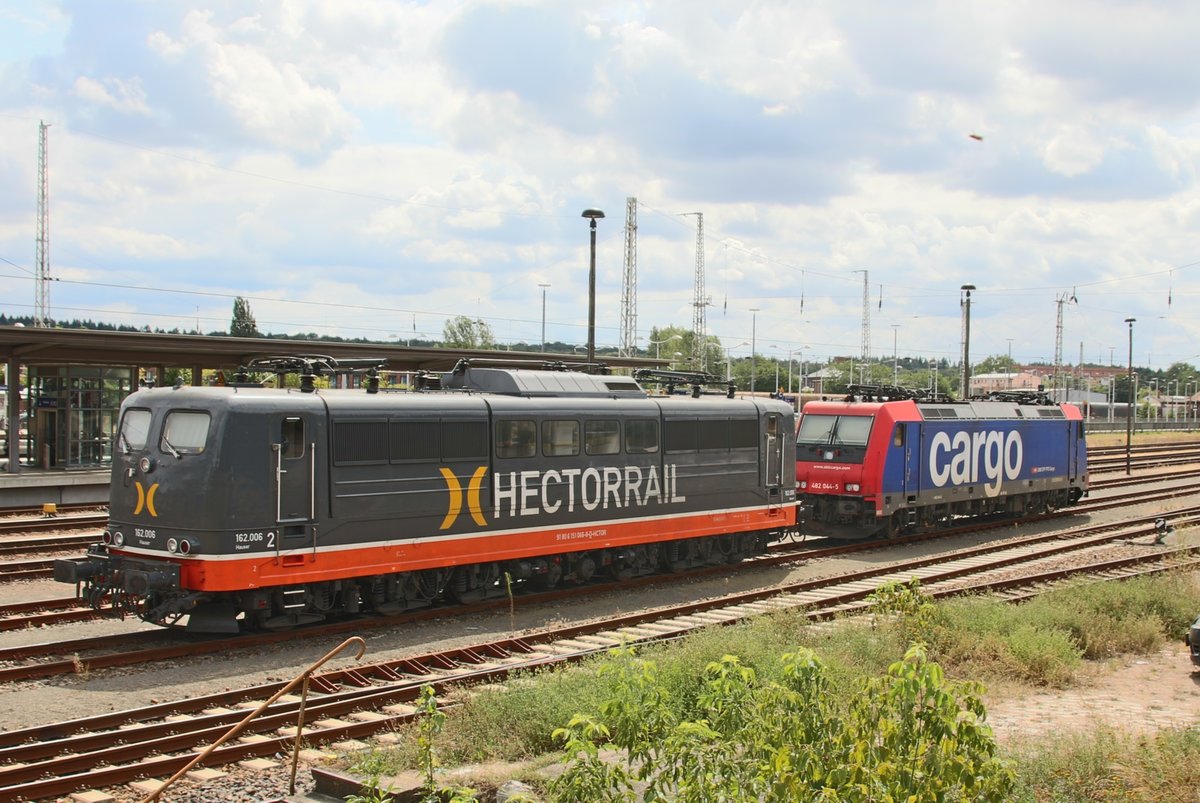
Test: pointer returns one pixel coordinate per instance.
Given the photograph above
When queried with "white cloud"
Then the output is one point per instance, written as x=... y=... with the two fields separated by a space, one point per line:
x=431 y=152
x=124 y=96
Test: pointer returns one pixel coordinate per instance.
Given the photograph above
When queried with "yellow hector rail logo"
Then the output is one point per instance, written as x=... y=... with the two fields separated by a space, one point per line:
x=456 y=497
x=145 y=500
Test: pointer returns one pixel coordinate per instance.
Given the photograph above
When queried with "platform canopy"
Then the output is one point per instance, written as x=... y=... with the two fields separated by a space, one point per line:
x=28 y=345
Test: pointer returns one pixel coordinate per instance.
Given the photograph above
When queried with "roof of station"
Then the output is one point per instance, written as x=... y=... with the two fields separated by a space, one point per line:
x=38 y=346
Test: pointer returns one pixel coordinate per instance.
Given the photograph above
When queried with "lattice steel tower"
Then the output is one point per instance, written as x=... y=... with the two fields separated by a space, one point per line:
x=628 y=344
x=41 y=304
x=700 y=301
x=866 y=319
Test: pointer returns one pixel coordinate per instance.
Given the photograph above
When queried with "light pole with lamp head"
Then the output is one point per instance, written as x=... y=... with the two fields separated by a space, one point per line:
x=1129 y=408
x=753 y=337
x=657 y=343
x=593 y=215
x=966 y=355
x=789 y=362
x=895 y=359
x=729 y=360
x=1010 y=363
x=543 y=285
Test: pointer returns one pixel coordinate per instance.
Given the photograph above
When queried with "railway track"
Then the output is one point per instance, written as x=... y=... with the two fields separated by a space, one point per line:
x=71 y=657
x=61 y=758
x=41 y=524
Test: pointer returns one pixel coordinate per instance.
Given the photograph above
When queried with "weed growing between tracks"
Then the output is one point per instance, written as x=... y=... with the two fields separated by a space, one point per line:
x=1042 y=643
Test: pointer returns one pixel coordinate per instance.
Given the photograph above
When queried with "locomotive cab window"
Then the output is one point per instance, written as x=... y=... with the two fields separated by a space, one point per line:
x=135 y=431
x=292 y=437
x=839 y=430
x=184 y=432
x=516 y=439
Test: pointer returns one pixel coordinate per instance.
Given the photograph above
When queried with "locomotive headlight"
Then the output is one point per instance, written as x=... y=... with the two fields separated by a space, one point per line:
x=118 y=539
x=803 y=484
x=829 y=455
x=853 y=486
x=106 y=537
x=185 y=546
x=172 y=545
x=146 y=464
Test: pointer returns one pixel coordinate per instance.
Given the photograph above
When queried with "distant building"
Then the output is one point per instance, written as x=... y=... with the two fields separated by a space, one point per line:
x=982 y=384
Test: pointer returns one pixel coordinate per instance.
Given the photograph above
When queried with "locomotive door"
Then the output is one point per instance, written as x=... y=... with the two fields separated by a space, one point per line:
x=774 y=461
x=294 y=472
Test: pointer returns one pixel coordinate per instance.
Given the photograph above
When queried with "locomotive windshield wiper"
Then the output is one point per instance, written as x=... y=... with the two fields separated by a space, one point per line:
x=178 y=455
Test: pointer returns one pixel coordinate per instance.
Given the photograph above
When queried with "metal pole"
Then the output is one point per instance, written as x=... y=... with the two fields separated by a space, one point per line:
x=966 y=355
x=895 y=361
x=753 y=345
x=592 y=215
x=543 y=285
x=1132 y=401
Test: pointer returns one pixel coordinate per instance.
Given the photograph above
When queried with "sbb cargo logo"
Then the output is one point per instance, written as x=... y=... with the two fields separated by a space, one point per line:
x=969 y=457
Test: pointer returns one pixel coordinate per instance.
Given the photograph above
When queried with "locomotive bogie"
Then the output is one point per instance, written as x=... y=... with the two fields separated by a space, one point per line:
x=296 y=506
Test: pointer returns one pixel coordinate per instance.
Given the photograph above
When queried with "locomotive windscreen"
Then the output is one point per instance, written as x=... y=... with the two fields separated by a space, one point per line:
x=851 y=430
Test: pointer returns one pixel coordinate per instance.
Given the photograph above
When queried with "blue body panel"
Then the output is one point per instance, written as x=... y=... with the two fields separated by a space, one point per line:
x=995 y=454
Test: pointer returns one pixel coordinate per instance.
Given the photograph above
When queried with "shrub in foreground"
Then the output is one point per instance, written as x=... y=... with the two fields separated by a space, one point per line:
x=910 y=735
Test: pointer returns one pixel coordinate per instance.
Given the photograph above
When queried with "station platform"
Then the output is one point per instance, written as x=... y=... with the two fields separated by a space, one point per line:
x=35 y=486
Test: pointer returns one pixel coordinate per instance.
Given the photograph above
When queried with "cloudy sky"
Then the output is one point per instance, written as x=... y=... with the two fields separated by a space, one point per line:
x=370 y=168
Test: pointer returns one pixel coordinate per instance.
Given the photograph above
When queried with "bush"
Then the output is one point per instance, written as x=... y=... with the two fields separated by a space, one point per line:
x=1045 y=657
x=910 y=735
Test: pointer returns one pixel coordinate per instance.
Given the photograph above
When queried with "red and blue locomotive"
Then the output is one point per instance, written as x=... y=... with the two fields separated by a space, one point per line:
x=253 y=507
x=888 y=460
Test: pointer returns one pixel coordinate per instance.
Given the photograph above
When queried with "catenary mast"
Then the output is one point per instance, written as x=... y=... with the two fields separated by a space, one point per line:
x=41 y=306
x=629 y=283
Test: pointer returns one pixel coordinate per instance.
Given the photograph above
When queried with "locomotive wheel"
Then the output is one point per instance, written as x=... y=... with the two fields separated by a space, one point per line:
x=552 y=577
x=474 y=583
x=674 y=557
x=894 y=526
x=729 y=548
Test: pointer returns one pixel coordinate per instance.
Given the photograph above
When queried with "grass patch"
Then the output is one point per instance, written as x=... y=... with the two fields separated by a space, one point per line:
x=1041 y=643
x=1109 y=766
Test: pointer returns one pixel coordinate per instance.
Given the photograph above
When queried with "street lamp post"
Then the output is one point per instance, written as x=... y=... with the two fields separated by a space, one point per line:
x=593 y=215
x=966 y=355
x=1129 y=409
x=1010 y=363
x=543 y=285
x=753 y=337
x=895 y=361
x=729 y=360
x=657 y=343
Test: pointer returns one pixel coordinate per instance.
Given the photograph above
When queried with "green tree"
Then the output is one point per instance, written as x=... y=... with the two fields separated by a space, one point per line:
x=243 y=323
x=995 y=364
x=665 y=342
x=462 y=332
